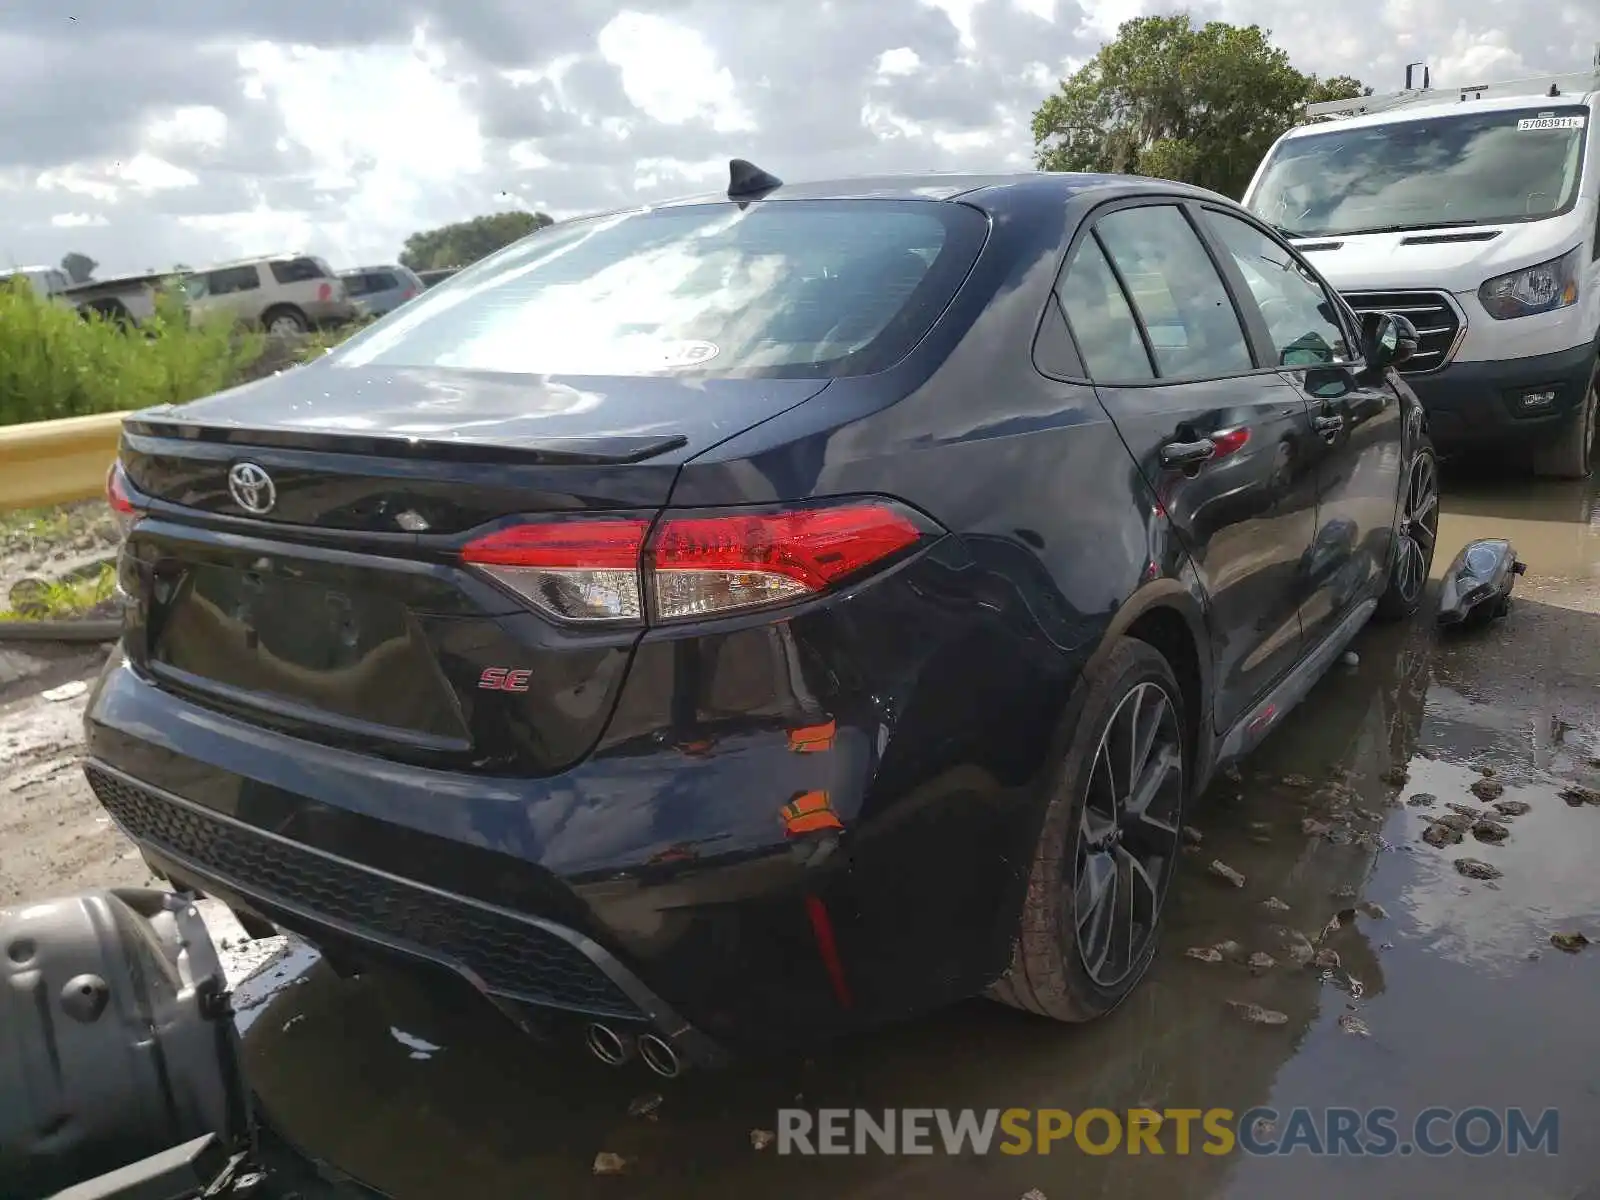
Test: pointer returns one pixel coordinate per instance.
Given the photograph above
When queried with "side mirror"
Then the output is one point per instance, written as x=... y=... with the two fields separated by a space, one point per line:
x=1391 y=339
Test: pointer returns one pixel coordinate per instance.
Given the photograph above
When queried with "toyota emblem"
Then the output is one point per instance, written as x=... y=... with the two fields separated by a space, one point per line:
x=252 y=488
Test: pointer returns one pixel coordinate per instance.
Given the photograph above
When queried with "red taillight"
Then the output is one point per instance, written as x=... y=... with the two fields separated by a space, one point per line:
x=325 y=292
x=122 y=506
x=710 y=564
x=698 y=565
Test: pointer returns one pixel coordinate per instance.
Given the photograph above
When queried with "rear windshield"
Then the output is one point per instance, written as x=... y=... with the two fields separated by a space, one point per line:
x=300 y=270
x=1460 y=169
x=792 y=288
x=363 y=283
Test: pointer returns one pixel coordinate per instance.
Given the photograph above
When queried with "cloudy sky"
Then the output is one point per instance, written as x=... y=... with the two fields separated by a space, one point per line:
x=194 y=130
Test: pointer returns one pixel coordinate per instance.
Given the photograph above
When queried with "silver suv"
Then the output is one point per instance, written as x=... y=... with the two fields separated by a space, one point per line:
x=287 y=295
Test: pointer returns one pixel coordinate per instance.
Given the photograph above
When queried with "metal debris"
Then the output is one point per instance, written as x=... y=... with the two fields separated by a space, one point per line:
x=760 y=1139
x=607 y=1163
x=1205 y=954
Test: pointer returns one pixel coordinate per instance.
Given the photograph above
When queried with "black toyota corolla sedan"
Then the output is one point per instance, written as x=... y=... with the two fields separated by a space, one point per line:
x=721 y=625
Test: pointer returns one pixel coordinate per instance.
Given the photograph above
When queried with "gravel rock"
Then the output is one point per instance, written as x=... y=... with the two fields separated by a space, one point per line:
x=1223 y=871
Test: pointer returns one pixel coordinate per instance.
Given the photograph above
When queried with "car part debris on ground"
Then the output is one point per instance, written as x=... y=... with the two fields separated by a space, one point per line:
x=1477 y=587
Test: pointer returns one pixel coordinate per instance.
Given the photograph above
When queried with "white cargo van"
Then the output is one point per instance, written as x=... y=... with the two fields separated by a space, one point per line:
x=1475 y=212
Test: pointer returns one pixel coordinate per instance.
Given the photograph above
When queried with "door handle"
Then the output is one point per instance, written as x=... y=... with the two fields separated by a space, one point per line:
x=1187 y=454
x=1328 y=427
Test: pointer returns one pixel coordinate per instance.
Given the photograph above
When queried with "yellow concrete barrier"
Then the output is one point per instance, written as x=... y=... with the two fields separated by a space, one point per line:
x=53 y=462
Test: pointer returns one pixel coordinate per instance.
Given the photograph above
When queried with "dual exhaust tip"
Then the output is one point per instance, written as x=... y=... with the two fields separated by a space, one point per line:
x=614 y=1049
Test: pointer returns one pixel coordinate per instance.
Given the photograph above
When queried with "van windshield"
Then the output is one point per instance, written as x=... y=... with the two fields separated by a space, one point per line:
x=785 y=288
x=1475 y=168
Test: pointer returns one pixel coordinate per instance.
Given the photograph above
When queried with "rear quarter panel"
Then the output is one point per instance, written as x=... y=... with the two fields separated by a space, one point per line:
x=1052 y=534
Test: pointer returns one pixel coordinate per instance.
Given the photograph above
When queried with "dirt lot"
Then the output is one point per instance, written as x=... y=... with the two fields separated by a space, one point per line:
x=1441 y=988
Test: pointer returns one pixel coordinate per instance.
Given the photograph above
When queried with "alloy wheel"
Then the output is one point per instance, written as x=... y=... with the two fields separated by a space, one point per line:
x=1128 y=833
x=1419 y=527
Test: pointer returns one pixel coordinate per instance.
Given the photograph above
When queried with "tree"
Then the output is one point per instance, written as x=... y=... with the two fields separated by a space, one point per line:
x=465 y=242
x=79 y=267
x=1168 y=100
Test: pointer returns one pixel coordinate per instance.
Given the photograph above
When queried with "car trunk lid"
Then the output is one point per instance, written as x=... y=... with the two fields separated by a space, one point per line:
x=323 y=593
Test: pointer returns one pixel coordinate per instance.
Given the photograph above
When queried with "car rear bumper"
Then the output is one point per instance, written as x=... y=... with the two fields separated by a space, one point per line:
x=1477 y=403
x=663 y=881
x=518 y=961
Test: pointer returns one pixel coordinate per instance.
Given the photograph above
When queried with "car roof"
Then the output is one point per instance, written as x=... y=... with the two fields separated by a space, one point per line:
x=1448 y=104
x=989 y=191
x=255 y=260
x=374 y=267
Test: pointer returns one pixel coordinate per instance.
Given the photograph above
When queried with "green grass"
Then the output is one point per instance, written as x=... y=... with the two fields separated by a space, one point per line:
x=67 y=598
x=55 y=363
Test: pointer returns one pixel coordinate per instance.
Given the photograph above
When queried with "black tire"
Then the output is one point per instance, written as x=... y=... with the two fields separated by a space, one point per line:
x=1418 y=537
x=1572 y=455
x=1049 y=972
x=285 y=320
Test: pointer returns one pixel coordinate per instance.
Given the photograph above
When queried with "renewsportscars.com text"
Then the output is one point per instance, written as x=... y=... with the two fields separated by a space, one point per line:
x=1377 y=1132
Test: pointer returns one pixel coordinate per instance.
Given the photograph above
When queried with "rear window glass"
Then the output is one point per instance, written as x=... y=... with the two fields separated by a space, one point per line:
x=364 y=283
x=796 y=288
x=298 y=270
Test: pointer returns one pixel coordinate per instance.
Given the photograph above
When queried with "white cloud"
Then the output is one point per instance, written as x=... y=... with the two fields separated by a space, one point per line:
x=669 y=71
x=341 y=129
x=76 y=220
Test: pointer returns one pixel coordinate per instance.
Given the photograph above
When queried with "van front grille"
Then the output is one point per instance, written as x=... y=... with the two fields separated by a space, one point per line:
x=1433 y=313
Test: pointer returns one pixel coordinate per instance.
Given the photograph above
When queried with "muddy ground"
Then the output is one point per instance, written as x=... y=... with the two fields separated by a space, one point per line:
x=1439 y=989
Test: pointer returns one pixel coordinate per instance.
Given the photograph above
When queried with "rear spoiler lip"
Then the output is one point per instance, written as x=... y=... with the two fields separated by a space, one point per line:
x=604 y=450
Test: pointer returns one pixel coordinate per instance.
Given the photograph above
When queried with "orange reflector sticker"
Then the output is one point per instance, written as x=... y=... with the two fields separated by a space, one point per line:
x=811 y=739
x=808 y=813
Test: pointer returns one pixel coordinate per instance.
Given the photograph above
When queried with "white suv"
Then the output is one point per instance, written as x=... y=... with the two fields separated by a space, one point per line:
x=287 y=295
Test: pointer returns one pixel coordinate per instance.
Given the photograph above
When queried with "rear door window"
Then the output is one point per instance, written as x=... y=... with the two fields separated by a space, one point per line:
x=231 y=279
x=1104 y=326
x=791 y=288
x=1177 y=292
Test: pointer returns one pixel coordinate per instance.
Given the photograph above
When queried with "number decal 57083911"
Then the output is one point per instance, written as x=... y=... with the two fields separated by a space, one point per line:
x=499 y=679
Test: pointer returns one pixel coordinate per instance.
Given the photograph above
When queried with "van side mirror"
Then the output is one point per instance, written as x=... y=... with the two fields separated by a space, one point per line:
x=1391 y=339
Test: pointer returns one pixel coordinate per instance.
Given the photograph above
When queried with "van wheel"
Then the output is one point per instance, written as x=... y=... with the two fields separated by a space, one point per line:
x=1416 y=539
x=1571 y=456
x=1108 y=847
x=285 y=321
